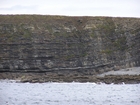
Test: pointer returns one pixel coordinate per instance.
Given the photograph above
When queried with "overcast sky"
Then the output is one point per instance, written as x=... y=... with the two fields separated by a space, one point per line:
x=115 y=8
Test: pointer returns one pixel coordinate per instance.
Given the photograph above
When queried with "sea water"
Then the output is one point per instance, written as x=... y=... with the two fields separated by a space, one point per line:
x=13 y=93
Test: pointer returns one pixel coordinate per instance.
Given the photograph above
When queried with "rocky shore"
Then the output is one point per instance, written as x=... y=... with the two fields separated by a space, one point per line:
x=131 y=76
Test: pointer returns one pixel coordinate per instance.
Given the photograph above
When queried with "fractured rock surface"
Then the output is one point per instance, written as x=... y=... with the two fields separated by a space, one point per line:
x=59 y=44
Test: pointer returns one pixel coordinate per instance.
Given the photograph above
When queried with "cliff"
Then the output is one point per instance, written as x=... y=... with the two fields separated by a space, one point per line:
x=85 y=45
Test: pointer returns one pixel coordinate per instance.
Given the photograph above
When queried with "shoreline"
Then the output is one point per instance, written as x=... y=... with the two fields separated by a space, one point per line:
x=39 y=78
x=127 y=76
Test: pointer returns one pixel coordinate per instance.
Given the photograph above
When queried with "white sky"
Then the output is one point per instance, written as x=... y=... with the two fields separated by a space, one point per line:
x=115 y=8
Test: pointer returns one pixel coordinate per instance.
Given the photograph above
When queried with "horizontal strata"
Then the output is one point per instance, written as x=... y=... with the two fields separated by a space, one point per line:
x=86 y=45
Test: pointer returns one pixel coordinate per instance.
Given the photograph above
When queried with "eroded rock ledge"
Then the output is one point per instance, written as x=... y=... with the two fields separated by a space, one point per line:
x=131 y=76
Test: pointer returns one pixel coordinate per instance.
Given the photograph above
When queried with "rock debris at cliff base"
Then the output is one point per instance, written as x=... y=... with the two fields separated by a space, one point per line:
x=132 y=77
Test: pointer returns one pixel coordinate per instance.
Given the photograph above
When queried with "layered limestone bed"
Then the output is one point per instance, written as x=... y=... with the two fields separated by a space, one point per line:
x=128 y=76
x=69 y=47
x=127 y=71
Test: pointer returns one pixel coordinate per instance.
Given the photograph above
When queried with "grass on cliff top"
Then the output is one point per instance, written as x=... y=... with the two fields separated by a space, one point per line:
x=16 y=19
x=45 y=18
x=35 y=18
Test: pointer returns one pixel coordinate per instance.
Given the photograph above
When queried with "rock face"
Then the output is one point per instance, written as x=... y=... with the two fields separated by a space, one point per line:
x=87 y=45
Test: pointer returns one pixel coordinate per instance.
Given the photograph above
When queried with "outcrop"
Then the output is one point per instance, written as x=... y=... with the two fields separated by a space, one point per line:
x=68 y=45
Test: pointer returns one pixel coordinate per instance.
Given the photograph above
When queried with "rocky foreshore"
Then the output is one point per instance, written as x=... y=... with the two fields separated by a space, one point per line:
x=128 y=76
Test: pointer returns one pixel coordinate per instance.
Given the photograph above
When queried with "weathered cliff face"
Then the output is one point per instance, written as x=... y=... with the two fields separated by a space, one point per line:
x=57 y=43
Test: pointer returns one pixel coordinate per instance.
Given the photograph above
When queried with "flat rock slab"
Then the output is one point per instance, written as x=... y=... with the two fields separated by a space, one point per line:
x=128 y=71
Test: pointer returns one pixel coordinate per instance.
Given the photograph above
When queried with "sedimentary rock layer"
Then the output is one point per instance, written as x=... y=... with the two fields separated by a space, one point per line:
x=35 y=43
